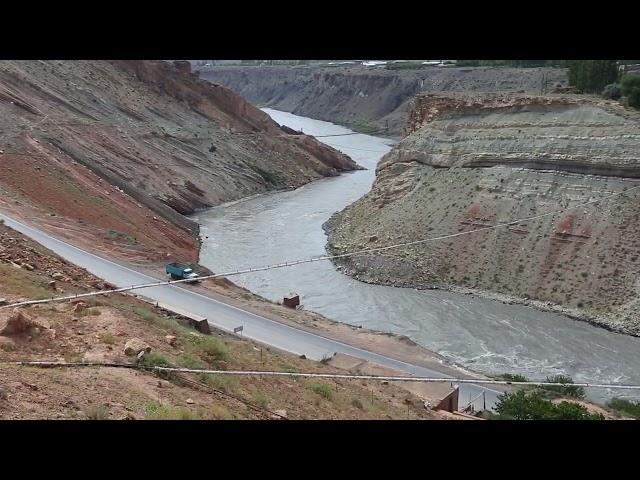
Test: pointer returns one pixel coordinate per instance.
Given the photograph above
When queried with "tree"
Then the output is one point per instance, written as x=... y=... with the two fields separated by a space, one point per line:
x=630 y=88
x=591 y=76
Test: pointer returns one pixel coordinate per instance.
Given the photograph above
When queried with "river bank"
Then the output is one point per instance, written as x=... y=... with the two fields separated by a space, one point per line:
x=365 y=276
x=480 y=335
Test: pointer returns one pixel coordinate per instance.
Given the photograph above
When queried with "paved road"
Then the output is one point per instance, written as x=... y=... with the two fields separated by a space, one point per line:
x=227 y=317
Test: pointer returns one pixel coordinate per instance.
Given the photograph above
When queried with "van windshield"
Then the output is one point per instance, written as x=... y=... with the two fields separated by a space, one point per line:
x=187 y=270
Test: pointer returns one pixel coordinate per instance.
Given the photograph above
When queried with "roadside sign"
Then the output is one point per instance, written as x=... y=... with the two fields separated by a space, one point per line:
x=238 y=329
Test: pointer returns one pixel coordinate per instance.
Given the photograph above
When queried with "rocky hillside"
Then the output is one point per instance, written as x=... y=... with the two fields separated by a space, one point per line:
x=368 y=98
x=471 y=162
x=116 y=152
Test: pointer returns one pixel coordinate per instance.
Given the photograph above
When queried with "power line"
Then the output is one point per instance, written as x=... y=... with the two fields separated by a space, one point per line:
x=339 y=376
x=355 y=148
x=311 y=260
x=351 y=133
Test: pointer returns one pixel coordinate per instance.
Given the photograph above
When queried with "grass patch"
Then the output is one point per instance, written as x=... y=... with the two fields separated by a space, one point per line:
x=226 y=383
x=157 y=411
x=268 y=177
x=261 y=400
x=97 y=412
x=121 y=237
x=364 y=126
x=24 y=283
x=356 y=402
x=152 y=318
x=290 y=369
x=108 y=338
x=322 y=389
x=188 y=361
x=212 y=347
x=626 y=408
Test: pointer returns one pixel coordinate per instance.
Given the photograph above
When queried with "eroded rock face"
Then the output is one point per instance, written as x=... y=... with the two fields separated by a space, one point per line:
x=472 y=163
x=364 y=97
x=118 y=152
x=564 y=133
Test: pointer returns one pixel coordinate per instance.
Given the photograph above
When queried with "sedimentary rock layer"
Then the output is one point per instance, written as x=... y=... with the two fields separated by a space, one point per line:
x=472 y=162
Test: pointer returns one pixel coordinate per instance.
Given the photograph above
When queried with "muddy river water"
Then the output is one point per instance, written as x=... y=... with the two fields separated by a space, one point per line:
x=482 y=335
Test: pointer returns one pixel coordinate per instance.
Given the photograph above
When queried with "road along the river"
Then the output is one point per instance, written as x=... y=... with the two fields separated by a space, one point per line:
x=226 y=317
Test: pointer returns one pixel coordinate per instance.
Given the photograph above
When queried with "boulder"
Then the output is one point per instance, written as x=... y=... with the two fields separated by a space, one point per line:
x=4 y=301
x=57 y=276
x=134 y=346
x=52 y=284
x=171 y=340
x=80 y=307
x=28 y=266
x=20 y=322
x=279 y=414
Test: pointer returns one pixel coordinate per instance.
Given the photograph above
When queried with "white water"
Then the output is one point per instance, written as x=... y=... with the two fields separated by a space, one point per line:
x=478 y=334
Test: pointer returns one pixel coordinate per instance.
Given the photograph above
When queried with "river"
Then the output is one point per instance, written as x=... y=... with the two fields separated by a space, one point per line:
x=481 y=335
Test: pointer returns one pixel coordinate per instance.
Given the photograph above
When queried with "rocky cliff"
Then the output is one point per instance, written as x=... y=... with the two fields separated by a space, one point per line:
x=472 y=162
x=117 y=152
x=369 y=98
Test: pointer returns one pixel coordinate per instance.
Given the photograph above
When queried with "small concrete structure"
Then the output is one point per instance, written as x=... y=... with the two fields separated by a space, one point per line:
x=450 y=402
x=292 y=300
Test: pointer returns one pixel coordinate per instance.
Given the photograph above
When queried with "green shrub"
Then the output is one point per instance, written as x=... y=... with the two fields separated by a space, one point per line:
x=522 y=405
x=612 y=91
x=630 y=88
x=157 y=411
x=625 y=407
x=565 y=390
x=514 y=377
x=322 y=389
x=154 y=359
x=356 y=402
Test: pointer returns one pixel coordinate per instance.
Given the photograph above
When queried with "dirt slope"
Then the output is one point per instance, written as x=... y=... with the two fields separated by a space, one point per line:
x=471 y=162
x=116 y=152
x=368 y=98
